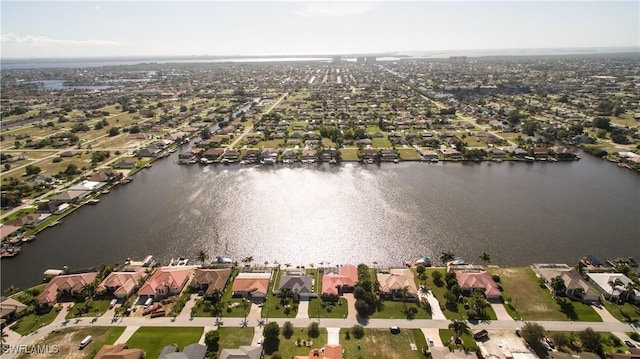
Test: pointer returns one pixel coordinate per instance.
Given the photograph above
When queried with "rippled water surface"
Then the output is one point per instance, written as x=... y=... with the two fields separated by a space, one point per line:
x=516 y=212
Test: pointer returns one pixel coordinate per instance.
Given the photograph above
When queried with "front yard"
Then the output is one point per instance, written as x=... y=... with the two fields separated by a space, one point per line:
x=153 y=339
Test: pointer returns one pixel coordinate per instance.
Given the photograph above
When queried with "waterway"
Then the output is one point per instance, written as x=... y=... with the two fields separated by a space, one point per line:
x=518 y=213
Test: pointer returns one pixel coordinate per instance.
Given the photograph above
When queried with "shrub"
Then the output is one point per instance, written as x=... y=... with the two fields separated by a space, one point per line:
x=313 y=330
x=357 y=331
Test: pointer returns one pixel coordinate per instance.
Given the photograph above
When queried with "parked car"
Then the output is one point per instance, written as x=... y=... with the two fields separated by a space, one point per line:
x=481 y=334
x=394 y=330
x=113 y=303
x=629 y=344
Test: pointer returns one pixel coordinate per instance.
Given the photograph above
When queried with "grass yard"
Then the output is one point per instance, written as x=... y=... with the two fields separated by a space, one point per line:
x=233 y=338
x=97 y=307
x=626 y=312
x=32 y=322
x=349 y=154
x=396 y=309
x=271 y=143
x=153 y=339
x=380 y=142
x=239 y=310
x=408 y=154
x=288 y=348
x=526 y=300
x=273 y=307
x=327 y=310
x=381 y=344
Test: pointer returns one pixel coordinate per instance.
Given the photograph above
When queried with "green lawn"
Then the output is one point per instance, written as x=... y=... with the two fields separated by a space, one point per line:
x=97 y=307
x=381 y=344
x=288 y=348
x=396 y=309
x=349 y=154
x=380 y=142
x=270 y=144
x=153 y=339
x=233 y=338
x=408 y=154
x=626 y=312
x=526 y=300
x=274 y=307
x=229 y=309
x=32 y=322
x=327 y=310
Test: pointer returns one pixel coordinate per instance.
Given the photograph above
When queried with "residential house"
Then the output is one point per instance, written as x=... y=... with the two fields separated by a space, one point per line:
x=604 y=281
x=428 y=155
x=213 y=153
x=191 y=351
x=118 y=351
x=297 y=282
x=451 y=153
x=231 y=155
x=7 y=230
x=540 y=152
x=69 y=284
x=344 y=281
x=254 y=286
x=496 y=153
x=309 y=154
x=29 y=220
x=165 y=282
x=563 y=153
x=389 y=155
x=70 y=196
x=369 y=154
x=149 y=151
x=127 y=163
x=9 y=309
x=575 y=285
x=121 y=284
x=392 y=282
x=244 y=352
x=210 y=279
x=329 y=351
x=482 y=280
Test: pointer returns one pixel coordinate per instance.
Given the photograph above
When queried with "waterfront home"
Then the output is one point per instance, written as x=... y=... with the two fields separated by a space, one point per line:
x=69 y=284
x=540 y=152
x=329 y=351
x=392 y=282
x=106 y=176
x=165 y=282
x=118 y=351
x=213 y=153
x=298 y=282
x=451 y=153
x=470 y=280
x=149 y=151
x=563 y=153
x=290 y=154
x=29 y=220
x=269 y=153
x=70 y=196
x=244 y=352
x=369 y=154
x=428 y=155
x=9 y=309
x=251 y=154
x=7 y=230
x=191 y=351
x=253 y=286
x=231 y=155
x=344 y=281
x=90 y=186
x=309 y=154
x=496 y=153
x=389 y=155
x=126 y=163
x=121 y=284
x=576 y=286
x=210 y=279
x=613 y=285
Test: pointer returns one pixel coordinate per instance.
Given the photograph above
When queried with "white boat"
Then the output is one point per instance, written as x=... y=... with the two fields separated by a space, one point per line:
x=224 y=260
x=205 y=161
x=268 y=161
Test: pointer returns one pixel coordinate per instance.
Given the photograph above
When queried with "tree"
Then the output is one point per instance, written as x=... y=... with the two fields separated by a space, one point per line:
x=630 y=288
x=32 y=170
x=114 y=131
x=206 y=133
x=485 y=257
x=614 y=285
x=271 y=332
x=558 y=285
x=404 y=291
x=313 y=330
x=276 y=355
x=591 y=340
x=247 y=260
x=446 y=257
x=202 y=256
x=71 y=170
x=532 y=333
x=602 y=122
x=211 y=340
x=459 y=328
x=362 y=307
x=287 y=329
x=357 y=331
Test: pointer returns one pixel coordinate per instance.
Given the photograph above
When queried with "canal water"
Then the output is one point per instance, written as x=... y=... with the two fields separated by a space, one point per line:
x=518 y=213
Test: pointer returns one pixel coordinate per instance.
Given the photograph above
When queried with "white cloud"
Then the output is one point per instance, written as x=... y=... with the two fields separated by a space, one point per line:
x=335 y=8
x=98 y=8
x=46 y=41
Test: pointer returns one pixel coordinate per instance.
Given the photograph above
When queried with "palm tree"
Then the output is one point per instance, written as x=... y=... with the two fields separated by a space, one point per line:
x=446 y=257
x=247 y=260
x=403 y=292
x=459 y=328
x=202 y=256
x=485 y=257
x=630 y=287
x=558 y=285
x=11 y=290
x=614 y=285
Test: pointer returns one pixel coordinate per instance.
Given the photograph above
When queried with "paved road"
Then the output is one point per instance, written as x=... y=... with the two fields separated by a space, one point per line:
x=250 y=128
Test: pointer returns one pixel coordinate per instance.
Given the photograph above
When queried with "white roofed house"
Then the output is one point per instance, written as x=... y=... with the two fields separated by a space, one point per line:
x=575 y=285
x=615 y=286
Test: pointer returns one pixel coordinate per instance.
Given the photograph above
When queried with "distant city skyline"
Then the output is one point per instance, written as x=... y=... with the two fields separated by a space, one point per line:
x=225 y=28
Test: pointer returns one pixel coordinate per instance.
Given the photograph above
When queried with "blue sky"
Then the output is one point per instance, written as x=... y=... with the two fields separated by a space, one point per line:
x=155 y=28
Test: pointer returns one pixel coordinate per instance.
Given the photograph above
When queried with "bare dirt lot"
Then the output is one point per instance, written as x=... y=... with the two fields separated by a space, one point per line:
x=501 y=343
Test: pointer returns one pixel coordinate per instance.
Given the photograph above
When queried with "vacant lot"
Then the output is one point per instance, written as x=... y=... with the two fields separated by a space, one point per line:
x=66 y=341
x=153 y=339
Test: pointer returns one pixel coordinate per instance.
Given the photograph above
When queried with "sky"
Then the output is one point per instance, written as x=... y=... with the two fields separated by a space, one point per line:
x=170 y=28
